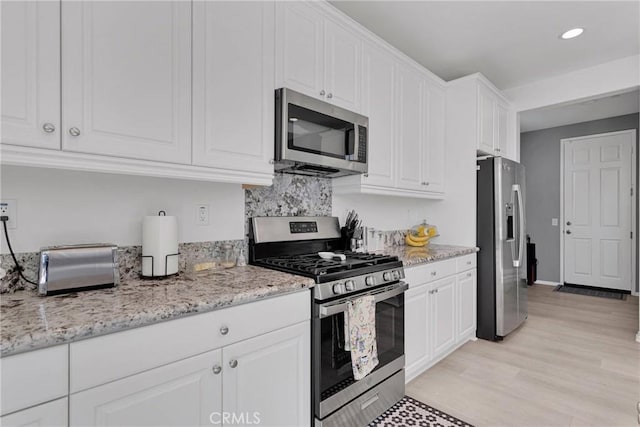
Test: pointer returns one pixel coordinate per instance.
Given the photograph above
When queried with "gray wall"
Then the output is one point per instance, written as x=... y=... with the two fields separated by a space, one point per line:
x=540 y=154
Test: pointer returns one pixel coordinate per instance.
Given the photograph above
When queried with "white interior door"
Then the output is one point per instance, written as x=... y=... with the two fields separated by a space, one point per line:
x=598 y=182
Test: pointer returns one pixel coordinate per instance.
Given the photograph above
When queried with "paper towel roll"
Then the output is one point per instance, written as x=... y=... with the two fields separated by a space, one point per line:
x=159 y=239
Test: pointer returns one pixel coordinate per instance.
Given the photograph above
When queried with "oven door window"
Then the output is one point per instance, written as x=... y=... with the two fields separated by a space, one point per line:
x=336 y=372
x=317 y=133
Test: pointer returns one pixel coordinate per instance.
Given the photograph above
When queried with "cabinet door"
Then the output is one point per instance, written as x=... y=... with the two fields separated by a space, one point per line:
x=233 y=85
x=502 y=123
x=342 y=71
x=416 y=329
x=299 y=48
x=52 y=414
x=434 y=148
x=486 y=117
x=126 y=70
x=466 y=304
x=409 y=130
x=31 y=73
x=267 y=378
x=443 y=314
x=378 y=98
x=183 y=393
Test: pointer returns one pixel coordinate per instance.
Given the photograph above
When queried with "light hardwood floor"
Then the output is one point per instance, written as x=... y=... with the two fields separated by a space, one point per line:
x=573 y=362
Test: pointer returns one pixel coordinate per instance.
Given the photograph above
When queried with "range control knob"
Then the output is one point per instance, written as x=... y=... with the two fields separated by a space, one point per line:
x=350 y=285
x=370 y=281
x=338 y=288
x=386 y=276
x=395 y=274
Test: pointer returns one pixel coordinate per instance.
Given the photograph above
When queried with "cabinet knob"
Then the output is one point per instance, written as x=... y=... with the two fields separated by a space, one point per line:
x=233 y=363
x=469 y=274
x=329 y=95
x=224 y=330
x=74 y=132
x=436 y=290
x=271 y=161
x=217 y=369
x=322 y=92
x=433 y=273
x=568 y=222
x=425 y=183
x=48 y=127
x=568 y=231
x=366 y=175
x=498 y=150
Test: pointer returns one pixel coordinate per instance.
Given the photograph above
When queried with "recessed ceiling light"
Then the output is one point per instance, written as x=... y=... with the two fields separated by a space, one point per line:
x=574 y=32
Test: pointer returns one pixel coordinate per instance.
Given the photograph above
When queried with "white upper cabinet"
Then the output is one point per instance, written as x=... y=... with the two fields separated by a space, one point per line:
x=378 y=95
x=233 y=85
x=342 y=55
x=317 y=55
x=31 y=73
x=126 y=74
x=481 y=114
x=434 y=148
x=410 y=117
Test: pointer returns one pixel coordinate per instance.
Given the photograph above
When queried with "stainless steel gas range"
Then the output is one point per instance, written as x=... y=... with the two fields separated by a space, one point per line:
x=291 y=244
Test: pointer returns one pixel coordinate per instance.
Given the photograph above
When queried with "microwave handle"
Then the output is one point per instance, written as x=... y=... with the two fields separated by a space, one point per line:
x=351 y=136
x=331 y=309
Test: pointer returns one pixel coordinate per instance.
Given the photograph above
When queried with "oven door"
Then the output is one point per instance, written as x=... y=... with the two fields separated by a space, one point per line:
x=333 y=382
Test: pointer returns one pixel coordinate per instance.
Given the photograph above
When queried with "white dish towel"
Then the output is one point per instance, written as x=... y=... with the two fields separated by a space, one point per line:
x=360 y=322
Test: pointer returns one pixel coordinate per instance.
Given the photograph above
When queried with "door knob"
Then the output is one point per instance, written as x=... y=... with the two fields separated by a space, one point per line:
x=568 y=231
x=74 y=131
x=224 y=330
x=330 y=95
x=233 y=363
x=48 y=127
x=568 y=222
x=322 y=92
x=217 y=369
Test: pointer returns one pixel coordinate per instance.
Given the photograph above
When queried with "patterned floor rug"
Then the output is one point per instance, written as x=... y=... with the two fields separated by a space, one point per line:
x=411 y=412
x=591 y=291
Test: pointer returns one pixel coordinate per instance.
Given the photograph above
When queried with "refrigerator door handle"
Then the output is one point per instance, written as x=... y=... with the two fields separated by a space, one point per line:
x=518 y=191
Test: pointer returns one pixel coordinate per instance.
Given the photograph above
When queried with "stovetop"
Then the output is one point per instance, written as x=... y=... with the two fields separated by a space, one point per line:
x=312 y=265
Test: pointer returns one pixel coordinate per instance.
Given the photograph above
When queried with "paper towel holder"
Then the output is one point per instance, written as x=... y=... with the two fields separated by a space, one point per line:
x=166 y=260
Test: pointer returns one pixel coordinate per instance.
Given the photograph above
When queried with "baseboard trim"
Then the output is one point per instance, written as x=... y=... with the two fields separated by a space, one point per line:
x=546 y=283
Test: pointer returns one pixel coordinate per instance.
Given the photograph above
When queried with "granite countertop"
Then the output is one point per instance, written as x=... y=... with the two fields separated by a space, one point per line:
x=29 y=321
x=412 y=256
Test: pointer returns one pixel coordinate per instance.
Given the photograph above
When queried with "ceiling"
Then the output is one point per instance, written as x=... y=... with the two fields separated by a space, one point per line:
x=594 y=109
x=511 y=42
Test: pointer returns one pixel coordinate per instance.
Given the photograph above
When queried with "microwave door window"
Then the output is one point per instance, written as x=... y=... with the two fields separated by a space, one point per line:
x=317 y=133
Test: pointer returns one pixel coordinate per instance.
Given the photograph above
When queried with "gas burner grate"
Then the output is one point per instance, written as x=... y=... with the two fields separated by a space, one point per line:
x=313 y=264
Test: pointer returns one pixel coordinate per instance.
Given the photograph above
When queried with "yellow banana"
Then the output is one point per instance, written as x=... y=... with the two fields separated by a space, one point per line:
x=421 y=231
x=418 y=239
x=411 y=242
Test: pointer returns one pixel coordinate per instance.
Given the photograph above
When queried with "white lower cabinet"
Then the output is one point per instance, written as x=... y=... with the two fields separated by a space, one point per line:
x=267 y=379
x=263 y=380
x=417 y=340
x=440 y=311
x=467 y=283
x=51 y=414
x=443 y=314
x=183 y=393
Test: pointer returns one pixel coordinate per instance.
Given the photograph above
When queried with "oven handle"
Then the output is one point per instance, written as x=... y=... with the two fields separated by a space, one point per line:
x=327 y=310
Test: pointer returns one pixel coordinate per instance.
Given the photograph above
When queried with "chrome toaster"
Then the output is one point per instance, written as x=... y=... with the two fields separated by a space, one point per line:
x=77 y=267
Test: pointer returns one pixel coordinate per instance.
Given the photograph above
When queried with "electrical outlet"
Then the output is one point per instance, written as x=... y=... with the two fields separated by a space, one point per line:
x=8 y=208
x=202 y=214
x=554 y=222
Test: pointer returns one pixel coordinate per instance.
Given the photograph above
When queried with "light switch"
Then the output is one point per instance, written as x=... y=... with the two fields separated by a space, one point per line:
x=554 y=222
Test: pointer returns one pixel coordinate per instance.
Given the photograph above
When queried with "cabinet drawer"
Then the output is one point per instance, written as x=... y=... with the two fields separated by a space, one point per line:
x=426 y=273
x=466 y=262
x=51 y=414
x=126 y=353
x=34 y=377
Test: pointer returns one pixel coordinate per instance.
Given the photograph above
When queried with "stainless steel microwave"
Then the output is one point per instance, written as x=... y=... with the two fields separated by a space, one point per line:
x=316 y=138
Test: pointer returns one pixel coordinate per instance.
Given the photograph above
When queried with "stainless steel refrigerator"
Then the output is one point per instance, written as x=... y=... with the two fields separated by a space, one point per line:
x=502 y=269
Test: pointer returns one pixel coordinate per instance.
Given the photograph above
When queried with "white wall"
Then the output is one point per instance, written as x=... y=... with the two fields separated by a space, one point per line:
x=65 y=207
